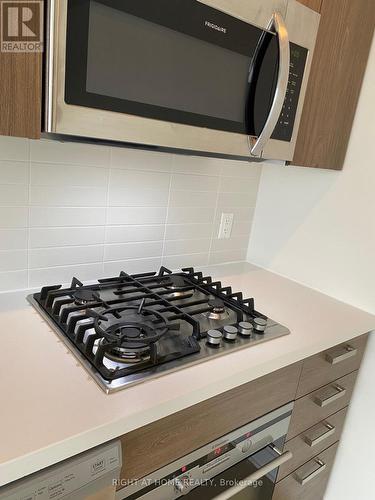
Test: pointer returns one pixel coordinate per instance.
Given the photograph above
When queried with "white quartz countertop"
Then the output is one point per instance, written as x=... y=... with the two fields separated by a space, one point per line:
x=51 y=408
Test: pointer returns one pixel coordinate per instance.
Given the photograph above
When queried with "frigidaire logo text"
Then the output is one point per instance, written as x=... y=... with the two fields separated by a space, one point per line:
x=215 y=27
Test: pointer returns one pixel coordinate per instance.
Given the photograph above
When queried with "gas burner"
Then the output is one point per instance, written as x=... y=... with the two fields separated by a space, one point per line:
x=134 y=355
x=178 y=286
x=218 y=311
x=84 y=296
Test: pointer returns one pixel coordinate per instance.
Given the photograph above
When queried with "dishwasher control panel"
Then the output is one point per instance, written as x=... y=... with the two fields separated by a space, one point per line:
x=74 y=478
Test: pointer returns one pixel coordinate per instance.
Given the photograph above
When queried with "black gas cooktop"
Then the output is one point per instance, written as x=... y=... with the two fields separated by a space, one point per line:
x=129 y=328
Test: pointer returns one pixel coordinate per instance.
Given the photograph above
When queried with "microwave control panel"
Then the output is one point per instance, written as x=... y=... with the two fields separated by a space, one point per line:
x=284 y=128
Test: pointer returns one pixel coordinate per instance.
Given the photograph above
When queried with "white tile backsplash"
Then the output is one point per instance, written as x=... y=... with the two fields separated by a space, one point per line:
x=64 y=274
x=13 y=148
x=136 y=215
x=13 y=217
x=65 y=256
x=187 y=231
x=180 y=247
x=66 y=216
x=45 y=237
x=14 y=280
x=189 y=182
x=51 y=174
x=185 y=260
x=125 y=251
x=192 y=199
x=74 y=209
x=131 y=266
x=141 y=197
x=13 y=195
x=13 y=239
x=14 y=172
x=73 y=196
x=134 y=159
x=13 y=260
x=127 y=234
x=179 y=215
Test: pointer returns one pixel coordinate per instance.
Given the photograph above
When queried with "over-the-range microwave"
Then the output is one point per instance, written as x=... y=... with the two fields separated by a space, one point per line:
x=216 y=77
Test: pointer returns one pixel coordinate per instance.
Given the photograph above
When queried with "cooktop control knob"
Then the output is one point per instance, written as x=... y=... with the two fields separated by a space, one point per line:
x=181 y=485
x=246 y=446
x=260 y=324
x=214 y=338
x=230 y=333
x=245 y=328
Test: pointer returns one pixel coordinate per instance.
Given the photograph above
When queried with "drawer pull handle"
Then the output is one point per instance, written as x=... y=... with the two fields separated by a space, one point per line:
x=329 y=395
x=341 y=354
x=307 y=474
x=319 y=433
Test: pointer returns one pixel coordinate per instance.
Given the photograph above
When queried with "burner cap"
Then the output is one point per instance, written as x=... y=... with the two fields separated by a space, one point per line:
x=217 y=305
x=84 y=295
x=177 y=282
x=132 y=333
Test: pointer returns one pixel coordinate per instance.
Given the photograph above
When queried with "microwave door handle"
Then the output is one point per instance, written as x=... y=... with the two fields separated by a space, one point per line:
x=258 y=474
x=278 y=24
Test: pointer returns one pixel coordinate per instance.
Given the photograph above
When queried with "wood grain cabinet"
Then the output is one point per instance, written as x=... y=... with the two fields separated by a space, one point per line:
x=312 y=4
x=21 y=93
x=323 y=394
x=317 y=421
x=337 y=71
x=309 y=481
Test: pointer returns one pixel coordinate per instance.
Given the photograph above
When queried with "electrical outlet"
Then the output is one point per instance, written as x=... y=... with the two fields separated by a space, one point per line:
x=225 y=226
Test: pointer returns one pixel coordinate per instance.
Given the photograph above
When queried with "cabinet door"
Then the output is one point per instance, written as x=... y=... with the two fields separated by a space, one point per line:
x=338 y=67
x=20 y=81
x=312 y=4
x=309 y=481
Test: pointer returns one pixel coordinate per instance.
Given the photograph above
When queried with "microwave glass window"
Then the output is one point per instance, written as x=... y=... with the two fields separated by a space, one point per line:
x=134 y=59
x=170 y=60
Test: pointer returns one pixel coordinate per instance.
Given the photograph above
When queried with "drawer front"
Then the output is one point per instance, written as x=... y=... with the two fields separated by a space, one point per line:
x=163 y=441
x=309 y=481
x=331 y=364
x=312 y=441
x=320 y=404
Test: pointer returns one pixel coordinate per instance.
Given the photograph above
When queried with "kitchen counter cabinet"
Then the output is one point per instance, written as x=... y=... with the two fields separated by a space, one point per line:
x=315 y=429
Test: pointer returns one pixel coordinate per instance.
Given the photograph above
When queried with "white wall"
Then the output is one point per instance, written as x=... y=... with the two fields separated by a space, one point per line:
x=76 y=209
x=318 y=228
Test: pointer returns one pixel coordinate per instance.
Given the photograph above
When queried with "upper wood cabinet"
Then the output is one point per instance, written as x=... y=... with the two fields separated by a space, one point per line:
x=340 y=58
x=21 y=72
x=20 y=94
x=313 y=4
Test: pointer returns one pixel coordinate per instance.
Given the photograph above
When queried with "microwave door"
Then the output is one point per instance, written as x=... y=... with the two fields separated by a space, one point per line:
x=171 y=74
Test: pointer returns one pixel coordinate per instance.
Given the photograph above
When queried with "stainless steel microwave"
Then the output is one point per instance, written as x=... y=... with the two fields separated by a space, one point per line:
x=216 y=77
